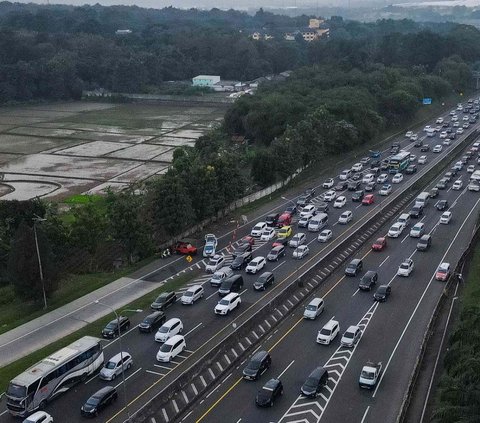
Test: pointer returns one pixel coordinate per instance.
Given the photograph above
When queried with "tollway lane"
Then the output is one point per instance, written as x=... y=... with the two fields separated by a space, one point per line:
x=349 y=403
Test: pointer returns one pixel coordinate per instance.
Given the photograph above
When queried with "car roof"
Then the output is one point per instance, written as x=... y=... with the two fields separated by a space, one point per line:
x=174 y=339
x=352 y=328
x=194 y=287
x=271 y=384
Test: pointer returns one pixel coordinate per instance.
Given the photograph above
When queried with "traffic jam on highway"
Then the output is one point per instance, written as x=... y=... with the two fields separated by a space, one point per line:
x=361 y=329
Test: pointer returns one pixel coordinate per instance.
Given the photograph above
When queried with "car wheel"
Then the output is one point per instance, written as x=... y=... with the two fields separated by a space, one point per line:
x=129 y=365
x=271 y=403
x=113 y=376
x=127 y=327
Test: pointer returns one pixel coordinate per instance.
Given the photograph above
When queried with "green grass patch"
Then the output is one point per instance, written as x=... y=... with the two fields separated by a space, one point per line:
x=84 y=199
x=14 y=312
x=8 y=372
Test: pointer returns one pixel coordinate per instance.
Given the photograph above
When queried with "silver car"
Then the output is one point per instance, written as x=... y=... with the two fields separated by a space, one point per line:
x=113 y=367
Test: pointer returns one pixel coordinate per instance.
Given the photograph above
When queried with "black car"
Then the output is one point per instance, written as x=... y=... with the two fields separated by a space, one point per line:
x=446 y=124
x=452 y=136
x=276 y=252
x=418 y=143
x=280 y=241
x=449 y=131
x=394 y=150
x=269 y=393
x=152 y=321
x=416 y=211
x=465 y=159
x=241 y=260
x=442 y=205
x=98 y=401
x=358 y=195
x=265 y=280
x=356 y=177
x=353 y=185
x=322 y=206
x=472 y=121
x=368 y=280
x=453 y=171
x=257 y=365
x=272 y=219
x=382 y=293
x=354 y=267
x=303 y=201
x=243 y=248
x=425 y=148
x=315 y=382
x=448 y=176
x=342 y=185
x=111 y=330
x=164 y=300
x=375 y=163
x=411 y=169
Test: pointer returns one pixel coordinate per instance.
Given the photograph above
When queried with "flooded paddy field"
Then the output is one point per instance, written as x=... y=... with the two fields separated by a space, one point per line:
x=56 y=150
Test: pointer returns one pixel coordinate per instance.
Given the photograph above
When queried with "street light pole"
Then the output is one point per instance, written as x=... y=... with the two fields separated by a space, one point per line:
x=121 y=350
x=35 y=220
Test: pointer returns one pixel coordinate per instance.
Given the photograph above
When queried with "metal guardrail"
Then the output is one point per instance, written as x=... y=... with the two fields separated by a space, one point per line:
x=292 y=295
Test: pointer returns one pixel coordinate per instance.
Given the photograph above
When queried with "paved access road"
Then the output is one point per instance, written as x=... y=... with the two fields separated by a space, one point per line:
x=201 y=325
x=392 y=334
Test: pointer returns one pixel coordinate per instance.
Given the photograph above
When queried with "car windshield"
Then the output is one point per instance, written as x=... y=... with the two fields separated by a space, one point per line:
x=224 y=302
x=381 y=290
x=93 y=401
x=311 y=308
x=348 y=335
x=310 y=383
x=261 y=280
x=188 y=294
x=404 y=266
x=164 y=329
x=213 y=261
x=442 y=271
x=166 y=348
x=367 y=374
x=16 y=391
x=110 y=365
x=111 y=326
x=264 y=393
x=253 y=365
x=161 y=298
x=325 y=332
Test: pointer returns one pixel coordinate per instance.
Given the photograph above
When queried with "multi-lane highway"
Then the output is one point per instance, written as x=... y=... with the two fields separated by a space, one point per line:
x=392 y=332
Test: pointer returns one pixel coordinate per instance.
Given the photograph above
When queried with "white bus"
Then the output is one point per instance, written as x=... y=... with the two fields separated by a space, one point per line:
x=32 y=389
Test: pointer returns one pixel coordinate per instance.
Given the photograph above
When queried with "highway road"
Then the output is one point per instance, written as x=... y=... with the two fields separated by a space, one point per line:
x=295 y=350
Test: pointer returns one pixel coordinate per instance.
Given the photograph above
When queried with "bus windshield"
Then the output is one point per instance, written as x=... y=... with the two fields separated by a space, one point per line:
x=16 y=391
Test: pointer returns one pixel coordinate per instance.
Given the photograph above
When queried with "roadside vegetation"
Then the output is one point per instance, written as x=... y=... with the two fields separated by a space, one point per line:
x=457 y=398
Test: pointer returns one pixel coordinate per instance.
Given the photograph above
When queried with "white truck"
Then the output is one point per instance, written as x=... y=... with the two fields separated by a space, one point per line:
x=475 y=176
x=422 y=199
x=370 y=375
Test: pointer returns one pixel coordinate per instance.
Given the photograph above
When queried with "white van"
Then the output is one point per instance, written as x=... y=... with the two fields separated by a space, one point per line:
x=313 y=309
x=171 y=348
x=318 y=222
x=404 y=219
x=369 y=177
x=422 y=199
x=113 y=367
x=218 y=277
x=328 y=333
x=192 y=294
x=169 y=329
x=346 y=174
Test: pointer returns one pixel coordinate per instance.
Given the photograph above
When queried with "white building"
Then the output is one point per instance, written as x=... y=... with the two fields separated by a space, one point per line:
x=205 y=80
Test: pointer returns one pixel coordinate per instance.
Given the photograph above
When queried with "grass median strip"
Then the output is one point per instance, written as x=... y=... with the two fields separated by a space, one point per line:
x=8 y=372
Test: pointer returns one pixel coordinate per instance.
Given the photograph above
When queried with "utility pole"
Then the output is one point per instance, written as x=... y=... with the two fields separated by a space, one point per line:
x=37 y=219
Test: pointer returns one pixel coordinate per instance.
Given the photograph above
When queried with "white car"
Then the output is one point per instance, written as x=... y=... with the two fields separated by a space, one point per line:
x=439 y=120
x=395 y=230
x=443 y=134
x=459 y=131
x=298 y=239
x=258 y=229
x=382 y=178
x=455 y=124
x=369 y=177
x=357 y=167
x=417 y=230
x=465 y=118
x=39 y=417
x=409 y=134
x=427 y=128
x=446 y=217
x=385 y=190
x=465 y=125
x=256 y=264
x=413 y=158
x=447 y=142
x=437 y=128
x=192 y=294
x=228 y=303
x=214 y=263
x=351 y=336
x=454 y=118
x=437 y=149
x=414 y=137
x=422 y=160
x=457 y=185
x=329 y=196
x=471 y=169
x=405 y=268
x=308 y=211
x=473 y=186
x=340 y=202
x=345 y=217
x=325 y=235
x=397 y=178
x=329 y=183
x=301 y=252
x=452 y=113
x=267 y=234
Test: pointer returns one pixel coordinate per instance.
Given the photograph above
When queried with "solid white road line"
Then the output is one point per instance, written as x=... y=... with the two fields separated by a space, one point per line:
x=286 y=368
x=420 y=300
x=383 y=262
x=365 y=415
x=133 y=374
x=356 y=292
x=155 y=373
x=191 y=330
x=281 y=264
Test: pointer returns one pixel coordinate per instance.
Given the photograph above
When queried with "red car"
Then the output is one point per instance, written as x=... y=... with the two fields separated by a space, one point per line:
x=184 y=247
x=379 y=244
x=368 y=199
